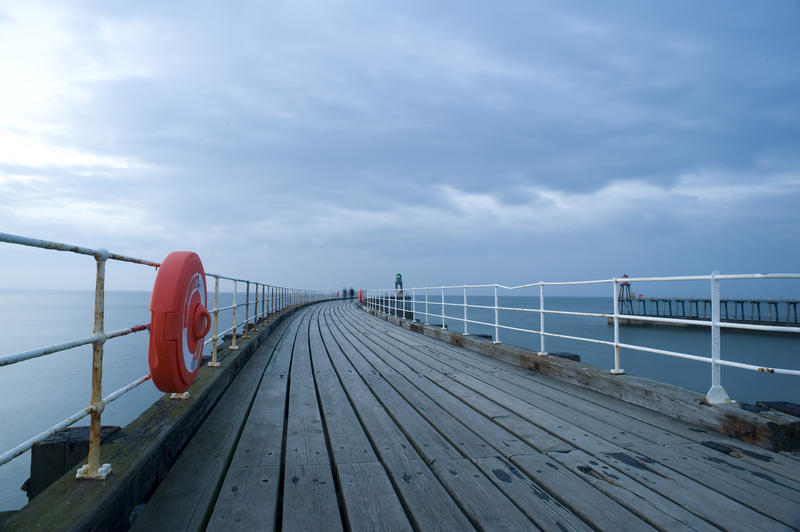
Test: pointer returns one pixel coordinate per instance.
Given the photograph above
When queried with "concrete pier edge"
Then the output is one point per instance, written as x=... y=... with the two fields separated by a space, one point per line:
x=141 y=454
x=770 y=429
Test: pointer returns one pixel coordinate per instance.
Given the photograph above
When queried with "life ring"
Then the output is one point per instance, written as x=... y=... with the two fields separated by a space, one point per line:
x=179 y=322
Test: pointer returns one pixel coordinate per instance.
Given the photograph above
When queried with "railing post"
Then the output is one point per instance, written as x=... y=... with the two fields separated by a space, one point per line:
x=617 y=370
x=496 y=319
x=256 y=314
x=233 y=331
x=263 y=302
x=465 y=312
x=255 y=309
x=93 y=469
x=246 y=310
x=542 y=351
x=426 y=306
x=414 y=305
x=716 y=394
x=444 y=324
x=214 y=336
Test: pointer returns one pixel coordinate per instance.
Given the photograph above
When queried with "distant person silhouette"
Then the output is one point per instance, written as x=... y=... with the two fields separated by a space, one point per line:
x=398 y=281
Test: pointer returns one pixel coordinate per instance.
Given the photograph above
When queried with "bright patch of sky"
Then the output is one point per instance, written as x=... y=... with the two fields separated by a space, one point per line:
x=328 y=144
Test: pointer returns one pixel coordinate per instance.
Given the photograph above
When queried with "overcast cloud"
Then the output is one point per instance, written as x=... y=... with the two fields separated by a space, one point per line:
x=322 y=144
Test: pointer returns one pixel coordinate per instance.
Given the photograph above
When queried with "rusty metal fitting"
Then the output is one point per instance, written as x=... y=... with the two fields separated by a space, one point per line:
x=102 y=472
x=98 y=407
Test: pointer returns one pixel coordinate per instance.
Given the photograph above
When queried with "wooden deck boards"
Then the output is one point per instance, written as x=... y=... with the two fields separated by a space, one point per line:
x=358 y=424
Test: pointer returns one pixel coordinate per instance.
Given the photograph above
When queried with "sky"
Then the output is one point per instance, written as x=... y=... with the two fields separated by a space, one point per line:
x=334 y=143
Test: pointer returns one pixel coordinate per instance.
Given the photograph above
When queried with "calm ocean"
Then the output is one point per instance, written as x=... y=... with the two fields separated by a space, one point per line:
x=38 y=393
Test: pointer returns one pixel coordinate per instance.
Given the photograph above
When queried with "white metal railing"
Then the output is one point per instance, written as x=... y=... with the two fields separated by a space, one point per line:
x=273 y=300
x=394 y=301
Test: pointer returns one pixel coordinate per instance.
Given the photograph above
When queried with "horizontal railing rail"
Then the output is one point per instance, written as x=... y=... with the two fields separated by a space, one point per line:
x=395 y=302
x=273 y=299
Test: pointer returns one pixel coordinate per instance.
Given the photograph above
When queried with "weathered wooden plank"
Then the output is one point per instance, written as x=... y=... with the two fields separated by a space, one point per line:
x=459 y=408
x=433 y=403
x=681 y=489
x=427 y=441
x=535 y=502
x=637 y=504
x=733 y=463
x=751 y=490
x=542 y=440
x=301 y=356
x=494 y=435
x=777 y=505
x=446 y=423
x=491 y=432
x=319 y=356
x=644 y=502
x=429 y=505
x=589 y=413
x=423 y=436
x=370 y=501
x=305 y=437
x=261 y=442
x=248 y=500
x=589 y=503
x=485 y=505
x=769 y=429
x=309 y=499
x=281 y=363
x=704 y=502
x=645 y=423
x=387 y=438
x=554 y=424
x=184 y=498
x=774 y=497
x=347 y=439
x=262 y=437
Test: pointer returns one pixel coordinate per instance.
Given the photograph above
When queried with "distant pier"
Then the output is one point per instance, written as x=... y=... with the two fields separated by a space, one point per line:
x=744 y=310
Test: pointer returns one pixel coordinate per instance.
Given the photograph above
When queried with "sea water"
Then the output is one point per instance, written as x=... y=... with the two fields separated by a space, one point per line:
x=38 y=393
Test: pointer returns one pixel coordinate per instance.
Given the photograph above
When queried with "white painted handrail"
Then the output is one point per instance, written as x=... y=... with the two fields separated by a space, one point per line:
x=393 y=301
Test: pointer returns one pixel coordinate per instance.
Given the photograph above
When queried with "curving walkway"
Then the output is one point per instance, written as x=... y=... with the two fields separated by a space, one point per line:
x=358 y=424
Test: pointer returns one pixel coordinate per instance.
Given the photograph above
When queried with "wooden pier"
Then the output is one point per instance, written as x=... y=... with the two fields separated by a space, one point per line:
x=344 y=421
x=755 y=311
